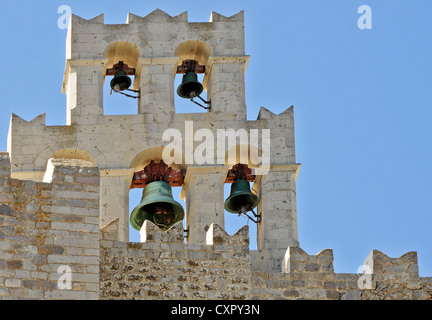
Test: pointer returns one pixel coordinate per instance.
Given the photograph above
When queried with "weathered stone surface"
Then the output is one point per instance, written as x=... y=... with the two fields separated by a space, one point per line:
x=297 y=260
x=351 y=295
x=5 y=210
x=38 y=243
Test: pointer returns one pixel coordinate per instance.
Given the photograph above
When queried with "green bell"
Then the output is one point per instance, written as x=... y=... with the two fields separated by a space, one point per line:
x=121 y=80
x=190 y=87
x=158 y=206
x=241 y=199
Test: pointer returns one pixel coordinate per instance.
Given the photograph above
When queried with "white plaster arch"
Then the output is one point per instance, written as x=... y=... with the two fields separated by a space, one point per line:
x=194 y=49
x=143 y=158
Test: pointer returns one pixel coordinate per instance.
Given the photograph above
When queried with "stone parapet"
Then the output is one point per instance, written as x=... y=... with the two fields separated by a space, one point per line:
x=49 y=234
x=158 y=269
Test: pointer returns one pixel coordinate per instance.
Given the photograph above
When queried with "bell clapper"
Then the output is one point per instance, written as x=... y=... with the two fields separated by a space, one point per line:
x=165 y=213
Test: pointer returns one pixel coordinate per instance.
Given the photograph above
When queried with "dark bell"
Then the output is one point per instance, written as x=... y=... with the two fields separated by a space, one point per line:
x=241 y=199
x=121 y=81
x=158 y=206
x=190 y=87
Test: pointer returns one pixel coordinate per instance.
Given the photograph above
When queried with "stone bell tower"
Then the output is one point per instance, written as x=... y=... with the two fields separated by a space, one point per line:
x=154 y=49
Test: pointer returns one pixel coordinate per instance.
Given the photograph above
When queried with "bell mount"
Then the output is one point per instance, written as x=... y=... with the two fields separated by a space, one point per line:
x=240 y=171
x=190 y=66
x=157 y=172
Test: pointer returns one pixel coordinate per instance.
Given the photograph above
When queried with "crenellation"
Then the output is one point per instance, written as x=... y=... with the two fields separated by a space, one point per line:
x=384 y=268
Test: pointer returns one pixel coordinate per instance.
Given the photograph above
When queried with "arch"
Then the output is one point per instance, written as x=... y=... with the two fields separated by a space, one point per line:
x=67 y=153
x=125 y=51
x=144 y=157
x=74 y=154
x=194 y=49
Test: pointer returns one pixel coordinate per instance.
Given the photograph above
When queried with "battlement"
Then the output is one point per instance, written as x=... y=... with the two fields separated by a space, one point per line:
x=45 y=226
x=164 y=267
x=156 y=34
x=154 y=46
x=296 y=260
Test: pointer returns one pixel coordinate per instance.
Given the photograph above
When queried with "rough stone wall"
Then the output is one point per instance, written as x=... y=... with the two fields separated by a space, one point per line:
x=312 y=277
x=44 y=226
x=164 y=267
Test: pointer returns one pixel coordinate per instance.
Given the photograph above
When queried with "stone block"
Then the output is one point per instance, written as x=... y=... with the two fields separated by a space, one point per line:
x=297 y=260
x=5 y=165
x=110 y=231
x=352 y=295
x=218 y=236
x=150 y=233
x=383 y=267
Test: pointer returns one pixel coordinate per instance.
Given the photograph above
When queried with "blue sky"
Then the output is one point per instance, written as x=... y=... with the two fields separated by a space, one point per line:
x=361 y=101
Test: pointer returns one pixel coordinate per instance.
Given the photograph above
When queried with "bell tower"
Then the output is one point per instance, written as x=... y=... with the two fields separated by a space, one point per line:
x=203 y=147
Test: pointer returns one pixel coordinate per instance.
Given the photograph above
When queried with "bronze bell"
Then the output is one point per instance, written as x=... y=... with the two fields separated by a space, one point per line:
x=121 y=81
x=158 y=206
x=190 y=86
x=241 y=199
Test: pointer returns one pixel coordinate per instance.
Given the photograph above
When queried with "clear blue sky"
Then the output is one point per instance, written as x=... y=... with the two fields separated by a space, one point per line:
x=362 y=102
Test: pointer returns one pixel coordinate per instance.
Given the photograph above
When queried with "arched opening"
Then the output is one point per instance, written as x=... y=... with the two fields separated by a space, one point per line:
x=128 y=53
x=249 y=155
x=139 y=162
x=192 y=50
x=233 y=222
